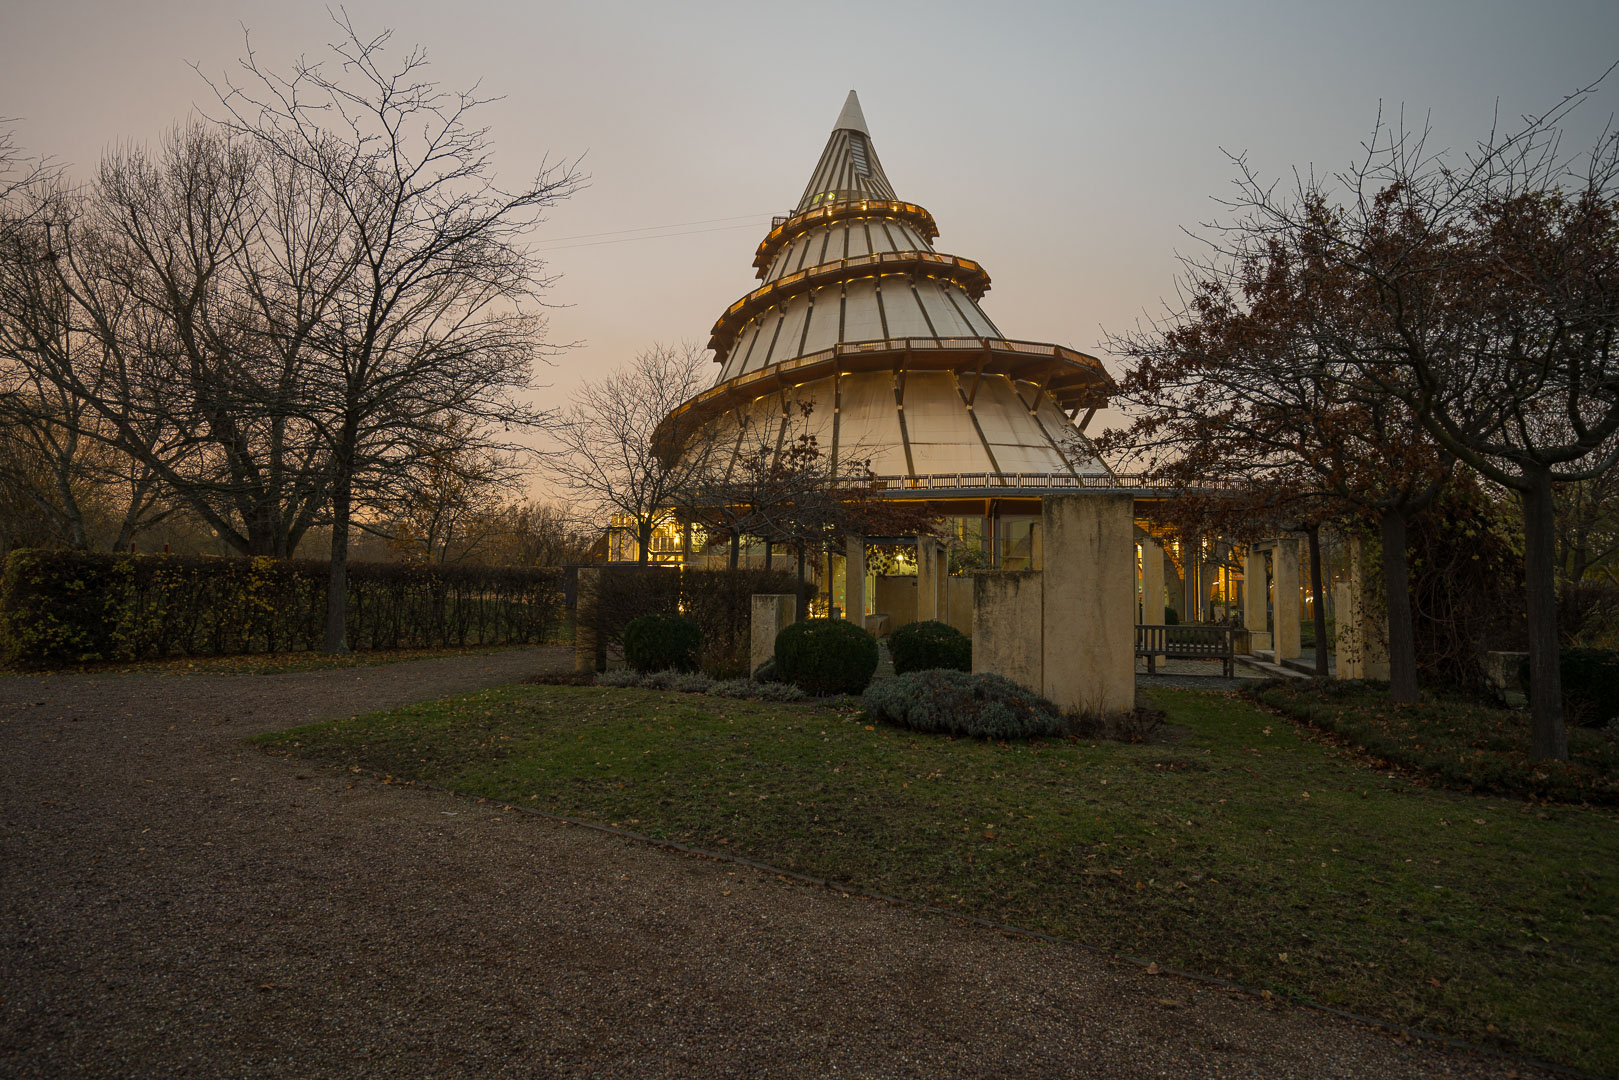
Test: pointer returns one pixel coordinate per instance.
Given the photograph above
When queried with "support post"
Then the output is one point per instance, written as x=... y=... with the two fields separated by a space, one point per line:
x=1088 y=606
x=854 y=580
x=930 y=575
x=1255 y=590
x=1153 y=600
x=1289 y=642
x=771 y=612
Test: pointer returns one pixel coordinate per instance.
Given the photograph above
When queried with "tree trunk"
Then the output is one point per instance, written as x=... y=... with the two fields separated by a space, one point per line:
x=643 y=536
x=1550 y=736
x=1397 y=589
x=337 y=580
x=769 y=553
x=1318 y=604
x=736 y=549
x=803 y=608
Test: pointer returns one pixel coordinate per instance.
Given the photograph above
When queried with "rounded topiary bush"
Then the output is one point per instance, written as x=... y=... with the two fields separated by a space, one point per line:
x=919 y=646
x=826 y=656
x=662 y=642
x=956 y=703
x=1590 y=680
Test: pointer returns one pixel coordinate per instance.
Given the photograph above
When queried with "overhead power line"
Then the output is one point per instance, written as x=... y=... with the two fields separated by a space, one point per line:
x=652 y=228
x=658 y=236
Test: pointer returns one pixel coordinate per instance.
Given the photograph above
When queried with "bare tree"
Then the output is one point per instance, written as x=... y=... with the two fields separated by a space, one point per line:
x=624 y=451
x=435 y=316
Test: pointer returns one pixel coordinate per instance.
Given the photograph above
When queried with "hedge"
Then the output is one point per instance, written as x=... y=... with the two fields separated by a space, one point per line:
x=720 y=602
x=65 y=607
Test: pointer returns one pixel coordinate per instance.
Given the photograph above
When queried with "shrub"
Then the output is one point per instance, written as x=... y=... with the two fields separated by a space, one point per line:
x=767 y=672
x=1171 y=616
x=957 y=703
x=761 y=691
x=919 y=646
x=1590 y=685
x=684 y=682
x=659 y=642
x=623 y=677
x=67 y=607
x=826 y=656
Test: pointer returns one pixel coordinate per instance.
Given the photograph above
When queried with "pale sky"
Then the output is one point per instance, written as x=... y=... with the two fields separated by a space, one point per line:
x=1065 y=146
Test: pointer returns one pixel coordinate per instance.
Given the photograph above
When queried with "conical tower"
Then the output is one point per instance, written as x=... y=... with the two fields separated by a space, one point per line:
x=858 y=314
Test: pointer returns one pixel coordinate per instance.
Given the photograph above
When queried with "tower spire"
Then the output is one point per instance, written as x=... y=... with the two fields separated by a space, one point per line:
x=851 y=118
x=848 y=169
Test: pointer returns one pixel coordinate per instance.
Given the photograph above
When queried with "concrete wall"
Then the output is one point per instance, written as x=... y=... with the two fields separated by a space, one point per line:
x=896 y=598
x=1088 y=609
x=1006 y=616
x=771 y=612
x=958 y=597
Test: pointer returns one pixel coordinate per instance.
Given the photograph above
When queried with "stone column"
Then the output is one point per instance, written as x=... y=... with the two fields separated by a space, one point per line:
x=586 y=655
x=931 y=569
x=771 y=612
x=854 y=580
x=1361 y=619
x=1192 y=563
x=1153 y=600
x=1255 y=591
x=1006 y=619
x=1088 y=602
x=1286 y=604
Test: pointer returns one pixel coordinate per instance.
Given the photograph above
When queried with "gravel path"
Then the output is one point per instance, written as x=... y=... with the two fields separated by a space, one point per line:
x=176 y=903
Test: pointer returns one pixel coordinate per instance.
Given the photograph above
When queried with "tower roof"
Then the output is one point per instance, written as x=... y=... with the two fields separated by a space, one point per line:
x=851 y=118
x=848 y=169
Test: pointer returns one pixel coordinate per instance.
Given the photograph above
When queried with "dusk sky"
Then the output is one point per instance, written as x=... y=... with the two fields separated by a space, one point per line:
x=1064 y=146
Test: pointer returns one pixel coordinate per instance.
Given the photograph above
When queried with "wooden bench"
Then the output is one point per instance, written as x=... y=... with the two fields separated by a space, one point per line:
x=1188 y=642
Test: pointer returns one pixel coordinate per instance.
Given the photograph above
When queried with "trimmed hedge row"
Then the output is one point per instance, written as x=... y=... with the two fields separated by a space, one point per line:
x=65 y=607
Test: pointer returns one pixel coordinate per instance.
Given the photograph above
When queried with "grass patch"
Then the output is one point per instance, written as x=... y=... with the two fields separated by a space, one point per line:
x=1241 y=850
x=1454 y=742
x=264 y=663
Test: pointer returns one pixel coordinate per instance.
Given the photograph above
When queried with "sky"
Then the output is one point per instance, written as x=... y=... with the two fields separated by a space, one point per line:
x=1068 y=147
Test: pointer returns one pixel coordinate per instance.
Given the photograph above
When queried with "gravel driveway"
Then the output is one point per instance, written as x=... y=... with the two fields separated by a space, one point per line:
x=176 y=903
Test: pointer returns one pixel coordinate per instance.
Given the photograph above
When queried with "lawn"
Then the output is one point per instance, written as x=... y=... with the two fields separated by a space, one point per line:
x=1460 y=743
x=1242 y=849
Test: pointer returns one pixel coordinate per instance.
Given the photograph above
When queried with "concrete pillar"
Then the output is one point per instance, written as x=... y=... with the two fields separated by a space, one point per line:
x=1361 y=619
x=1088 y=602
x=1152 y=582
x=854 y=580
x=586 y=655
x=1196 y=594
x=931 y=570
x=1285 y=606
x=771 y=612
x=1006 y=616
x=1255 y=591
